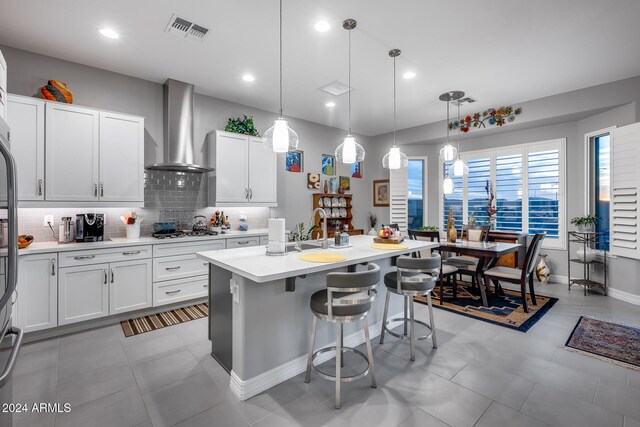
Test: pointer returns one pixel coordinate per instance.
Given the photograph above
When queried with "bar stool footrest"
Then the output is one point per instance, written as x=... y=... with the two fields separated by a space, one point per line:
x=407 y=320
x=342 y=378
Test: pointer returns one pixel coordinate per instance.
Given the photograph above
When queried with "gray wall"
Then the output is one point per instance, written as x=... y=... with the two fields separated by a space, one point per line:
x=93 y=87
x=623 y=272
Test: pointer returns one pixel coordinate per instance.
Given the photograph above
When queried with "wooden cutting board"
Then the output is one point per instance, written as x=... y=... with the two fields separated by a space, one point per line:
x=392 y=240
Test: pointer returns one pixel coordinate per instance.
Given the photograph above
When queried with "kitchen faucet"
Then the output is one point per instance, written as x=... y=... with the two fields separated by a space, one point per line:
x=325 y=240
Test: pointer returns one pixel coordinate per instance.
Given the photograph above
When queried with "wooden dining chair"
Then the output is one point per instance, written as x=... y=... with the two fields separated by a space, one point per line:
x=519 y=276
x=447 y=271
x=468 y=264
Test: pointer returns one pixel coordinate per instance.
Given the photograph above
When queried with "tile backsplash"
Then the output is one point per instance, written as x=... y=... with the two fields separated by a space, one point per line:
x=31 y=220
x=177 y=190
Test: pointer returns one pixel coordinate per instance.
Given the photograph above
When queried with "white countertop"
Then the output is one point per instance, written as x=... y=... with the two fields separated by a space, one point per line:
x=47 y=247
x=255 y=265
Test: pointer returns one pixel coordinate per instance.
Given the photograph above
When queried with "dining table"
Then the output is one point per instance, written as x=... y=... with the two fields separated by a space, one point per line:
x=487 y=253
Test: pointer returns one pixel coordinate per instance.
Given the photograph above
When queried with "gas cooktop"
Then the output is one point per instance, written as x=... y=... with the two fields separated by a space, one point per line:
x=178 y=234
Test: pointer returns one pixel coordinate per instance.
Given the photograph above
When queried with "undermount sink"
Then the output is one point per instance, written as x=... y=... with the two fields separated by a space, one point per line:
x=304 y=246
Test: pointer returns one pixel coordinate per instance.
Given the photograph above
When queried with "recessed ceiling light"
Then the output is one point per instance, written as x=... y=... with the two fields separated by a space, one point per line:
x=330 y=104
x=248 y=78
x=322 y=26
x=108 y=32
x=409 y=75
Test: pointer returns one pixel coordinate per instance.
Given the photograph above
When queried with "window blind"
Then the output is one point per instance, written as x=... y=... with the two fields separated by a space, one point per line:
x=625 y=181
x=544 y=192
x=509 y=175
x=477 y=199
x=399 y=183
x=452 y=201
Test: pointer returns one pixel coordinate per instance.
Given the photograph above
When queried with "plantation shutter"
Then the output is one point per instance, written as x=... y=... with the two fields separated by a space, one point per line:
x=399 y=186
x=625 y=182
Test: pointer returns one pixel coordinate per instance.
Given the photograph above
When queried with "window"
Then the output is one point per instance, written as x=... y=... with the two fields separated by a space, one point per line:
x=451 y=201
x=599 y=181
x=416 y=193
x=528 y=183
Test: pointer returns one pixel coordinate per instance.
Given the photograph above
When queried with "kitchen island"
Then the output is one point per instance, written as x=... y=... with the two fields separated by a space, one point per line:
x=259 y=315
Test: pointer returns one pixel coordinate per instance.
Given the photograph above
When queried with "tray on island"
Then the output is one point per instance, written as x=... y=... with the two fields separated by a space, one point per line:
x=392 y=240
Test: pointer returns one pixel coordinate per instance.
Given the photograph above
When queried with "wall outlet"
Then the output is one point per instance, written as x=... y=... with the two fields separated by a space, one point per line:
x=48 y=219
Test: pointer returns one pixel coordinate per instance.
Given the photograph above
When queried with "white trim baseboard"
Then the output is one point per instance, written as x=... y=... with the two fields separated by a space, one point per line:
x=624 y=296
x=245 y=389
x=612 y=292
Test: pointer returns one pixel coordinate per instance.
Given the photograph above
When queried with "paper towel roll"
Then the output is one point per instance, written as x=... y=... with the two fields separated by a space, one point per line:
x=276 y=235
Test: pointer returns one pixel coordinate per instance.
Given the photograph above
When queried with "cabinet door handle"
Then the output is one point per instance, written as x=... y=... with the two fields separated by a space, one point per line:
x=113 y=275
x=205 y=286
x=205 y=263
x=53 y=267
x=95 y=189
x=83 y=257
x=40 y=187
x=131 y=253
x=101 y=189
x=246 y=193
x=243 y=242
x=177 y=267
x=105 y=276
x=250 y=194
x=172 y=292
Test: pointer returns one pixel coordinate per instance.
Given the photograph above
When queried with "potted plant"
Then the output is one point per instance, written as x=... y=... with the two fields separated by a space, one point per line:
x=242 y=125
x=299 y=233
x=585 y=223
x=373 y=220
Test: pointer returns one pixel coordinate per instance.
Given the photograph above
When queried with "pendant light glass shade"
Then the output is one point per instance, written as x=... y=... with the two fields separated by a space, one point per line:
x=349 y=151
x=395 y=159
x=280 y=137
x=459 y=168
x=447 y=186
x=448 y=152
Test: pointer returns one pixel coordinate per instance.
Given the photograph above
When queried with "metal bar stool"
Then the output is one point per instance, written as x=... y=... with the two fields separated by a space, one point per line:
x=346 y=299
x=413 y=277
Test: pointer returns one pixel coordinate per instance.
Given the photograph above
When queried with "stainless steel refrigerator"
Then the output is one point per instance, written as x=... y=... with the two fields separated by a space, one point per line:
x=10 y=336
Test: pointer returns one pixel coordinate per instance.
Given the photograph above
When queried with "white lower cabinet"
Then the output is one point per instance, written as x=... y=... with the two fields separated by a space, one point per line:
x=83 y=293
x=178 y=290
x=129 y=286
x=37 y=292
x=97 y=290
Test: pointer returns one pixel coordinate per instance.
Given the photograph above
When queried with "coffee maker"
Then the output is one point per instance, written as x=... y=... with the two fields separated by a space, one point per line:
x=90 y=227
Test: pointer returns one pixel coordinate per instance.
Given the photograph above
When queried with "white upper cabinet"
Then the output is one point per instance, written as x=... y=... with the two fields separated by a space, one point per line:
x=245 y=174
x=262 y=173
x=72 y=147
x=121 y=158
x=25 y=117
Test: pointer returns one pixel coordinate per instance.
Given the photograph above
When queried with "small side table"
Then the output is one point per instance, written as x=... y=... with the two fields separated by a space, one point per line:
x=592 y=240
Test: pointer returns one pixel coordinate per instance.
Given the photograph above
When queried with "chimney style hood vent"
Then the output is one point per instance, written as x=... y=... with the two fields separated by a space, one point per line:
x=178 y=129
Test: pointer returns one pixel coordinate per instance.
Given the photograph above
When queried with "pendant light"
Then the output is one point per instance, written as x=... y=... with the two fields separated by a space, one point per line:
x=448 y=153
x=459 y=167
x=394 y=159
x=349 y=151
x=447 y=185
x=280 y=137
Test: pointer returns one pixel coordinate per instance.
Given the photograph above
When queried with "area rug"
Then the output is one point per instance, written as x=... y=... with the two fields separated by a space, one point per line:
x=612 y=342
x=506 y=311
x=140 y=325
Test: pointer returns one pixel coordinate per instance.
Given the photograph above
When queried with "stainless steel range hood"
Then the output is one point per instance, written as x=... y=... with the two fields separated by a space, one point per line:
x=178 y=129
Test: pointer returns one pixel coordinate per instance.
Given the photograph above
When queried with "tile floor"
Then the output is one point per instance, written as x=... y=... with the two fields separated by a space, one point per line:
x=481 y=375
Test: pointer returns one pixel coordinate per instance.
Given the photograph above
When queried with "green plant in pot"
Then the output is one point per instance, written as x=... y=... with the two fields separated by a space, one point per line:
x=242 y=125
x=585 y=223
x=299 y=233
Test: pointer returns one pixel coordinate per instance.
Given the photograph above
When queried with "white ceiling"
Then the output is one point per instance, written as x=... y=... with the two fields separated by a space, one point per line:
x=500 y=52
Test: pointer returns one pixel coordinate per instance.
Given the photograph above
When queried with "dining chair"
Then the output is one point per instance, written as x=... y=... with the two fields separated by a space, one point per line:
x=447 y=271
x=519 y=276
x=466 y=264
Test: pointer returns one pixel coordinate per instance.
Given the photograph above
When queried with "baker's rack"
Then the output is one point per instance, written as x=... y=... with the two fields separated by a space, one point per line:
x=594 y=241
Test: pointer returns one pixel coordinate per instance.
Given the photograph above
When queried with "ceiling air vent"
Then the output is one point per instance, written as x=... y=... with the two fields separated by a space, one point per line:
x=336 y=88
x=187 y=29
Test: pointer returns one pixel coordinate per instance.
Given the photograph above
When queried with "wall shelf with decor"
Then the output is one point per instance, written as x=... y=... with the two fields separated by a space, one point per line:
x=588 y=243
x=340 y=205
